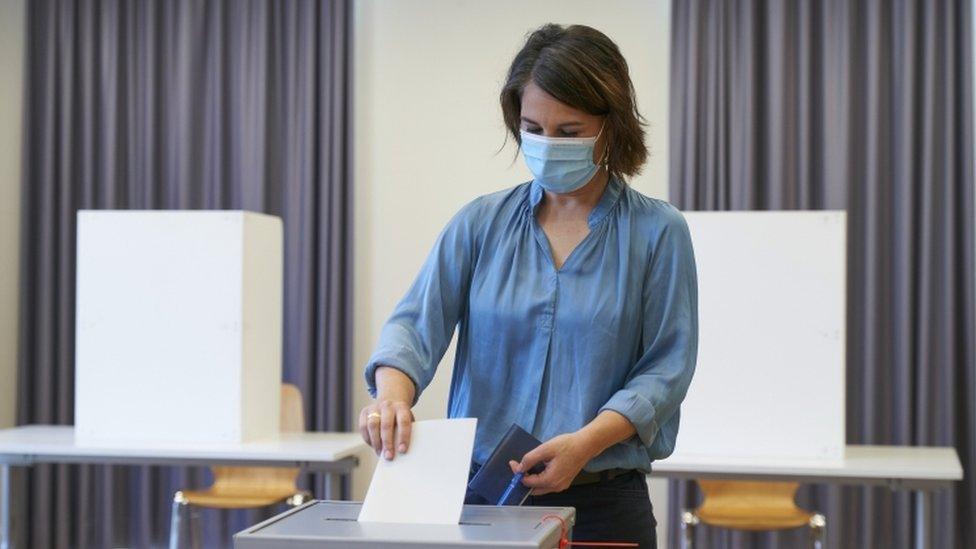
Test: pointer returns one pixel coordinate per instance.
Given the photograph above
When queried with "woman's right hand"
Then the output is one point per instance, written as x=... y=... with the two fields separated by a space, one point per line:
x=385 y=423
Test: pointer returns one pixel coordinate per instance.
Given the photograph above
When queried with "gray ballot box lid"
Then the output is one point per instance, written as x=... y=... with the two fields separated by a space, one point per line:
x=333 y=525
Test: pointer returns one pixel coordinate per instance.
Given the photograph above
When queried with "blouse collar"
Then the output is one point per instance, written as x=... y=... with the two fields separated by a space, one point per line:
x=610 y=195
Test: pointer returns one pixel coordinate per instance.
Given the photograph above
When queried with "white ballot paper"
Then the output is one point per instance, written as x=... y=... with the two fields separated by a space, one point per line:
x=427 y=484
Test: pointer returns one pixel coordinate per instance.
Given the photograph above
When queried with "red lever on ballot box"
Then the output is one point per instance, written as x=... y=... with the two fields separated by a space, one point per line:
x=564 y=542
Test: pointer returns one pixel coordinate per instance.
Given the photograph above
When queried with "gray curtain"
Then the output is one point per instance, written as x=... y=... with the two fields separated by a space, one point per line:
x=864 y=106
x=177 y=104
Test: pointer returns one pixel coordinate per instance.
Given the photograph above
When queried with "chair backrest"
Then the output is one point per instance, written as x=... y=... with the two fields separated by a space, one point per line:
x=243 y=481
x=292 y=409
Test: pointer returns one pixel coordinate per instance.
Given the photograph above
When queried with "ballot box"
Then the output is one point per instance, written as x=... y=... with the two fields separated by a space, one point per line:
x=333 y=525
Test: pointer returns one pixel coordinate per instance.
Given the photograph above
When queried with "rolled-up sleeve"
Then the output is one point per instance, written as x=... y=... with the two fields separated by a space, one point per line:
x=418 y=332
x=659 y=380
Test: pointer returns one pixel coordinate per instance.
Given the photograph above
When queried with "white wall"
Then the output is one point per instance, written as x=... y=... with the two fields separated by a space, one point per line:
x=427 y=123
x=11 y=66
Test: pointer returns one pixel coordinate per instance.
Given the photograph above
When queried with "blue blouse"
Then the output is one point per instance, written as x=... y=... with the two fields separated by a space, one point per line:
x=616 y=328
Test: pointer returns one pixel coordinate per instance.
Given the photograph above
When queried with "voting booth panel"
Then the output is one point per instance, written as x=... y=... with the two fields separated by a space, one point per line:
x=333 y=525
x=178 y=326
x=770 y=380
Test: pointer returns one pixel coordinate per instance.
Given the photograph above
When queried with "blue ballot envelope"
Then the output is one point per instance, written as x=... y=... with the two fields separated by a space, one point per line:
x=495 y=481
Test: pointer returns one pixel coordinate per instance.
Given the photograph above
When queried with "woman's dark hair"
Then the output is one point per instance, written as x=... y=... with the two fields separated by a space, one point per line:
x=581 y=67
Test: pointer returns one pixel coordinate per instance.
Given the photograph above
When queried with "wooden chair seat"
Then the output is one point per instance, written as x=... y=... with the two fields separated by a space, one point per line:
x=746 y=505
x=751 y=505
x=213 y=500
x=246 y=487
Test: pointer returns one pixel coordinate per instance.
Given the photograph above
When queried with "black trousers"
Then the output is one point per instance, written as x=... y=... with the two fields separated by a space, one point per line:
x=618 y=509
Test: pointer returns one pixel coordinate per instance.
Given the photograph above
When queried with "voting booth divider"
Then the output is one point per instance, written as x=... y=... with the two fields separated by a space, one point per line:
x=178 y=326
x=769 y=383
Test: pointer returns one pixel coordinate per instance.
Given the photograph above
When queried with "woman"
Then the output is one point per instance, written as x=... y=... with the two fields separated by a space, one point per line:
x=576 y=298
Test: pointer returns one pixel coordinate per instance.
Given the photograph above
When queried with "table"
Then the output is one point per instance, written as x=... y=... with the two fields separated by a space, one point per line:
x=334 y=454
x=923 y=469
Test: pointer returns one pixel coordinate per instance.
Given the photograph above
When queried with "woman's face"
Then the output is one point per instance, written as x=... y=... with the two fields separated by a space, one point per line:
x=543 y=114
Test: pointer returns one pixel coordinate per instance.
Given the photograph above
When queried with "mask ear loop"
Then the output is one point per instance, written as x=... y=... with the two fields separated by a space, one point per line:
x=605 y=160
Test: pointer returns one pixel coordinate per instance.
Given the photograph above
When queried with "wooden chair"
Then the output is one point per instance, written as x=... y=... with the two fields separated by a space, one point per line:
x=248 y=487
x=749 y=505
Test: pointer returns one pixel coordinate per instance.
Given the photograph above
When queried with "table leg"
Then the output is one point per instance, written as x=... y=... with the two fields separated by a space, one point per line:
x=5 y=542
x=923 y=519
x=329 y=481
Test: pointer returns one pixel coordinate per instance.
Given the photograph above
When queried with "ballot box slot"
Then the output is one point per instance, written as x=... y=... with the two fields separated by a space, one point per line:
x=462 y=523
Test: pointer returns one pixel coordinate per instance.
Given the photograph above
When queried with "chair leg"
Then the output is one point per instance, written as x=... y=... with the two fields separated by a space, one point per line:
x=688 y=522
x=175 y=520
x=818 y=530
x=195 y=528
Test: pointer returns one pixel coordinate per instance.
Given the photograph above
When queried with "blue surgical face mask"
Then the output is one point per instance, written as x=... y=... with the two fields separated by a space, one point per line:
x=560 y=164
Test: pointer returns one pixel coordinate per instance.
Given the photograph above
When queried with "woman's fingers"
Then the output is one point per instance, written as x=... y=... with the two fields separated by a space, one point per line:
x=538 y=481
x=404 y=424
x=387 y=423
x=363 y=428
x=551 y=478
x=373 y=428
x=386 y=427
x=537 y=455
x=541 y=481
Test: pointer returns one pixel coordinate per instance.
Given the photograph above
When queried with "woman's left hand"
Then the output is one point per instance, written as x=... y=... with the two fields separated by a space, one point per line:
x=564 y=456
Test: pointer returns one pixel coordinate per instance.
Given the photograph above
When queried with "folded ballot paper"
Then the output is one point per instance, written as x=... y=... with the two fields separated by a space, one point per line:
x=426 y=485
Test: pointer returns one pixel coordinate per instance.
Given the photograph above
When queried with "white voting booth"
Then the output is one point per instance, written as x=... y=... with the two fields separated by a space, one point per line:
x=770 y=381
x=768 y=398
x=179 y=319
